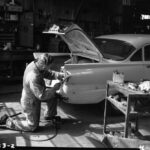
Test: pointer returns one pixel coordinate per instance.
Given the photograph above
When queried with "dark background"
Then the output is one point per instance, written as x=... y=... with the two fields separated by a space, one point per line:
x=21 y=27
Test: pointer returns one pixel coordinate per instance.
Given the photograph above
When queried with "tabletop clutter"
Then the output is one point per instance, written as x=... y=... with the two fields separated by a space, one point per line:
x=141 y=86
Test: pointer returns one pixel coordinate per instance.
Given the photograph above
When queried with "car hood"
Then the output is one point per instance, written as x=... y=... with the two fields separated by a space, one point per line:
x=77 y=40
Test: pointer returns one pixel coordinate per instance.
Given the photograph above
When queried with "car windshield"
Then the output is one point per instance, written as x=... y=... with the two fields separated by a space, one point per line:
x=114 y=49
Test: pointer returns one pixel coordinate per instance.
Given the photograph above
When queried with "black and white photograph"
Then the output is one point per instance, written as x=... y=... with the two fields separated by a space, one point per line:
x=75 y=74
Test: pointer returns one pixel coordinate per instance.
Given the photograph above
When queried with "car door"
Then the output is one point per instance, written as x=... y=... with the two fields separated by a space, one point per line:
x=147 y=61
x=136 y=68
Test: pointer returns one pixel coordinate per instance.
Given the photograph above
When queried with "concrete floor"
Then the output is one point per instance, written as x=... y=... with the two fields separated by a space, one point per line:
x=82 y=125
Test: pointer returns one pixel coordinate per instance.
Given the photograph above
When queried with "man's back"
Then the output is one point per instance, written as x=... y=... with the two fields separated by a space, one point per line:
x=29 y=101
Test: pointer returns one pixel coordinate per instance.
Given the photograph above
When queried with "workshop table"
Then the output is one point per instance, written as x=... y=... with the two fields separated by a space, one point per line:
x=130 y=109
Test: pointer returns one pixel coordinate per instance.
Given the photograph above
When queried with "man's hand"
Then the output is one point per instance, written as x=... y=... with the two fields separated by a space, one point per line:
x=61 y=76
x=64 y=76
x=57 y=86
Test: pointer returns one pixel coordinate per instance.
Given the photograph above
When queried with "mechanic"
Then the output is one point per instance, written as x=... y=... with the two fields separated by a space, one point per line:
x=34 y=92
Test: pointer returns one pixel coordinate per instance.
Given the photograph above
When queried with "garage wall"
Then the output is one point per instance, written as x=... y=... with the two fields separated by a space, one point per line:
x=96 y=17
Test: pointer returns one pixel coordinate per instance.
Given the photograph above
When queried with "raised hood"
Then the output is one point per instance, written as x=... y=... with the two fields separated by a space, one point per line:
x=77 y=40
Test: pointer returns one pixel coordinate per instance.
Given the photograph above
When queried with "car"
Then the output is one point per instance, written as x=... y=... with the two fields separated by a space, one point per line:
x=93 y=61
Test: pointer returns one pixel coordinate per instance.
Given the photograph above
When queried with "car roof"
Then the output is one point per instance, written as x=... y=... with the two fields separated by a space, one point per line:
x=137 y=40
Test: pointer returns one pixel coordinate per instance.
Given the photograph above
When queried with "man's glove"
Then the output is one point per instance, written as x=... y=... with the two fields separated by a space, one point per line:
x=57 y=86
x=3 y=119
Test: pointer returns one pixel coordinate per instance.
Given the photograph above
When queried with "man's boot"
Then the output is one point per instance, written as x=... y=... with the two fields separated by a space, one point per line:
x=3 y=119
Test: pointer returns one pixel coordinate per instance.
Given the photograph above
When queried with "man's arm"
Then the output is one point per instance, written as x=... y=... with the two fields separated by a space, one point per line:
x=40 y=91
x=53 y=75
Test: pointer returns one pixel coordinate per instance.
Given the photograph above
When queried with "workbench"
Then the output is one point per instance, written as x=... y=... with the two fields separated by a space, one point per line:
x=129 y=110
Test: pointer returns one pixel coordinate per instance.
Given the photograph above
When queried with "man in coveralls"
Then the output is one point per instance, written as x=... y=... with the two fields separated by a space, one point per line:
x=34 y=92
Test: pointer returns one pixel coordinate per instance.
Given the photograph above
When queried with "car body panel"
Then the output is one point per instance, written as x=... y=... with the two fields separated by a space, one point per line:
x=88 y=82
x=146 y=67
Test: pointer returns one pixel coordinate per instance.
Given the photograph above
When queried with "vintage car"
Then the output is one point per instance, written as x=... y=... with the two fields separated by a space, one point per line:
x=93 y=62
